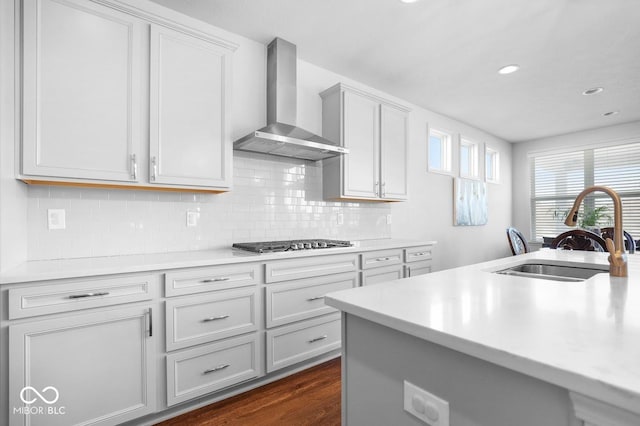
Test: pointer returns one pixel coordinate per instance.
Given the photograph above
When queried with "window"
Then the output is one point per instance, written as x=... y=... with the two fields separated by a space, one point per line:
x=439 y=151
x=492 y=165
x=556 y=180
x=468 y=159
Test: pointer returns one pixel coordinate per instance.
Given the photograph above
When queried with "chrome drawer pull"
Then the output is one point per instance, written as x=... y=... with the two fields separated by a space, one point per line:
x=317 y=339
x=381 y=259
x=422 y=253
x=215 y=280
x=215 y=318
x=80 y=296
x=218 y=368
x=311 y=299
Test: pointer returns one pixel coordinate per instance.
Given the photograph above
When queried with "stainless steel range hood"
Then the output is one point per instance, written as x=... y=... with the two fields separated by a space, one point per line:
x=281 y=136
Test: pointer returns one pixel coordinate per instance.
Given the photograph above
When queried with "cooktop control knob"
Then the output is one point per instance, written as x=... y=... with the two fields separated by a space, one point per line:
x=294 y=246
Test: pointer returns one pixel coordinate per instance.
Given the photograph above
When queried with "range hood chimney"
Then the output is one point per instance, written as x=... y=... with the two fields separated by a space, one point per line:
x=281 y=136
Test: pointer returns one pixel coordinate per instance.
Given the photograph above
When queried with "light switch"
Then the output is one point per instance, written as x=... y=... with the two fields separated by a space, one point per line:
x=56 y=219
x=389 y=219
x=340 y=219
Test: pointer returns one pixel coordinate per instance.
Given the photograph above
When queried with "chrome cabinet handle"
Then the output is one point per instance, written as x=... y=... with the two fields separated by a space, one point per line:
x=154 y=168
x=383 y=189
x=311 y=299
x=215 y=280
x=150 y=313
x=215 y=318
x=375 y=188
x=382 y=259
x=422 y=253
x=214 y=369
x=134 y=167
x=80 y=296
x=317 y=339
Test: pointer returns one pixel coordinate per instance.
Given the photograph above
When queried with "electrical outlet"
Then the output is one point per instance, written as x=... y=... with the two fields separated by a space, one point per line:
x=192 y=218
x=340 y=219
x=56 y=219
x=427 y=407
x=389 y=219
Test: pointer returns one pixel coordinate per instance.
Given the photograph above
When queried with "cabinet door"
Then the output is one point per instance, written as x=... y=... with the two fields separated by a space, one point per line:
x=190 y=138
x=382 y=275
x=82 y=72
x=100 y=366
x=361 y=136
x=393 y=148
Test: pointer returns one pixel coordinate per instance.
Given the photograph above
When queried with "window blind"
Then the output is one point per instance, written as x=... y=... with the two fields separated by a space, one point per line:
x=557 y=178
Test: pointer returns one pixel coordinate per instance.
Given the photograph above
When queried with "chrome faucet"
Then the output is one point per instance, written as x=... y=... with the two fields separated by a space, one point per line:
x=617 y=256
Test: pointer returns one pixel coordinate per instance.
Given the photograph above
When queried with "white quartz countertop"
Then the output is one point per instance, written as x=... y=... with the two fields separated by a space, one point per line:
x=93 y=266
x=583 y=336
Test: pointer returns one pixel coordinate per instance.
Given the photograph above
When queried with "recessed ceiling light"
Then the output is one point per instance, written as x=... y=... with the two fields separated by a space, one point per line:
x=508 y=69
x=593 y=91
x=409 y=1
x=607 y=114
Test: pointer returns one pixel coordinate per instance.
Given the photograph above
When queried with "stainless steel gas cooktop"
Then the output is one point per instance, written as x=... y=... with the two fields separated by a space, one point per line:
x=292 y=245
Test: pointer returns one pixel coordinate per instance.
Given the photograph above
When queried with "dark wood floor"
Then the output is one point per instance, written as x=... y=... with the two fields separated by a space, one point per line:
x=311 y=397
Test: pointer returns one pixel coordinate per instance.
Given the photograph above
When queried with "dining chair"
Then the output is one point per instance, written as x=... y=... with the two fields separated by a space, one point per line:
x=629 y=243
x=579 y=239
x=517 y=242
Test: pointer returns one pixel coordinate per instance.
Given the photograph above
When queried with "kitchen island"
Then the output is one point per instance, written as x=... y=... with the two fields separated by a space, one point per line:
x=502 y=350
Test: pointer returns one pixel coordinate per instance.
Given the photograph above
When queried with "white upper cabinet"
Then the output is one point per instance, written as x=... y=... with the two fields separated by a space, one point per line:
x=361 y=129
x=375 y=131
x=91 y=73
x=190 y=80
x=82 y=72
x=393 y=152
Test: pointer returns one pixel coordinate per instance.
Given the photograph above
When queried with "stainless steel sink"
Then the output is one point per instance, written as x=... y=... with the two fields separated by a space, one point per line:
x=553 y=272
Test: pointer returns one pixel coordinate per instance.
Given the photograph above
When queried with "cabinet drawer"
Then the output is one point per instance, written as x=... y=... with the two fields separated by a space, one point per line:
x=381 y=275
x=418 y=268
x=199 y=280
x=309 y=267
x=204 y=318
x=376 y=259
x=297 y=342
x=303 y=299
x=205 y=369
x=418 y=254
x=74 y=295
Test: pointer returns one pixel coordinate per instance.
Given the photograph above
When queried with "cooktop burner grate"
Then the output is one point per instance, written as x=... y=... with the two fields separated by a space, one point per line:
x=292 y=245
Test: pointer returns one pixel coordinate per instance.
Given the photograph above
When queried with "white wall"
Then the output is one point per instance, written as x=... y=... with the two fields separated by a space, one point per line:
x=272 y=198
x=522 y=150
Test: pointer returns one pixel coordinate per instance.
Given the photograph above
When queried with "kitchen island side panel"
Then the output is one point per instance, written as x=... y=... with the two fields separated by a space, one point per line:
x=378 y=359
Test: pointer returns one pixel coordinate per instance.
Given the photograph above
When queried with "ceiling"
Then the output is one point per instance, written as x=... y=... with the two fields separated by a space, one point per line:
x=443 y=55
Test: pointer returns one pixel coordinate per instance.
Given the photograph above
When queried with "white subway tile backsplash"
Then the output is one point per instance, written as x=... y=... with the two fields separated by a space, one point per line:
x=271 y=199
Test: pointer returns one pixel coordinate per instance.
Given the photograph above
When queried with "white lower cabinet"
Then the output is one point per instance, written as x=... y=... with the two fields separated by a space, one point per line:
x=203 y=318
x=204 y=369
x=290 y=344
x=300 y=326
x=418 y=268
x=381 y=275
x=96 y=368
x=85 y=350
x=303 y=299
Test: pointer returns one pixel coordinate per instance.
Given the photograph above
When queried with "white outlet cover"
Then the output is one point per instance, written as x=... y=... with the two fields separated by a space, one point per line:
x=340 y=219
x=192 y=219
x=389 y=219
x=56 y=219
x=426 y=406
